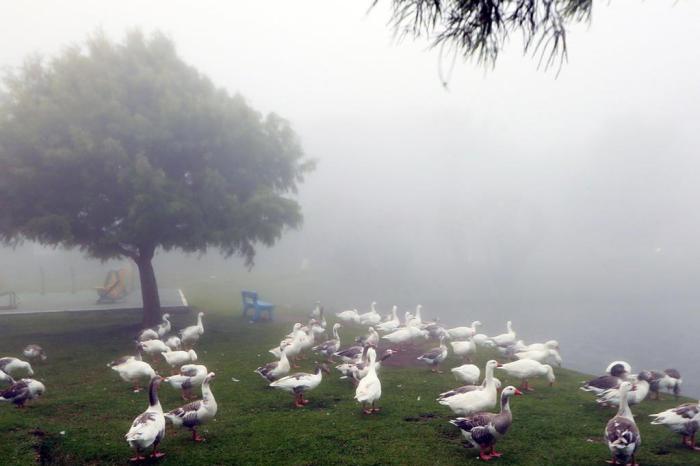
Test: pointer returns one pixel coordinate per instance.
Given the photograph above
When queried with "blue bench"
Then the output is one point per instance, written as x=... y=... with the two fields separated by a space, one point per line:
x=251 y=301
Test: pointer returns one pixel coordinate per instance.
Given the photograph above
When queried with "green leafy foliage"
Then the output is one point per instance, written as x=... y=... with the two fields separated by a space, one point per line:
x=120 y=148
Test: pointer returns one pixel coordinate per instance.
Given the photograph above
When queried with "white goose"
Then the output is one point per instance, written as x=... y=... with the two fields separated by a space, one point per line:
x=173 y=342
x=474 y=401
x=349 y=317
x=300 y=383
x=405 y=334
x=457 y=333
x=6 y=378
x=369 y=390
x=11 y=365
x=505 y=339
x=154 y=347
x=190 y=376
x=34 y=352
x=544 y=356
x=196 y=413
x=190 y=335
x=178 y=358
x=329 y=347
x=372 y=338
x=134 y=371
x=275 y=369
x=148 y=429
x=483 y=340
x=361 y=369
x=621 y=432
x=635 y=395
x=417 y=320
x=467 y=373
x=372 y=317
x=391 y=324
x=147 y=334
x=463 y=348
x=683 y=420
x=164 y=328
x=551 y=344
x=527 y=368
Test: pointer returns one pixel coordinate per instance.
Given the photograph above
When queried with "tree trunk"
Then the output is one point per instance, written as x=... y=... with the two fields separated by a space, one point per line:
x=149 y=290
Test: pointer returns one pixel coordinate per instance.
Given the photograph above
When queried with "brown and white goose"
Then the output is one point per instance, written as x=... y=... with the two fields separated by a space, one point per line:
x=435 y=356
x=618 y=374
x=21 y=391
x=683 y=420
x=190 y=376
x=300 y=383
x=148 y=429
x=621 y=432
x=669 y=380
x=196 y=413
x=483 y=430
x=329 y=347
x=275 y=369
x=34 y=352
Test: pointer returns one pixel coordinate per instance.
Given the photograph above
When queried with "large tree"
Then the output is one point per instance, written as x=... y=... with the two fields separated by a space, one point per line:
x=120 y=149
x=479 y=29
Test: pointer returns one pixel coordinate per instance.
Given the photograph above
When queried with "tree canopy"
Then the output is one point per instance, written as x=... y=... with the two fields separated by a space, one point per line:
x=122 y=148
x=479 y=29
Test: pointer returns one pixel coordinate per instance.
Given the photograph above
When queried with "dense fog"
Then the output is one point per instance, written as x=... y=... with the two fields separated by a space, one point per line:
x=564 y=201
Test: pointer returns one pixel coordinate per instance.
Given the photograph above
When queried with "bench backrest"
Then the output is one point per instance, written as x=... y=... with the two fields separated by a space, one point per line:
x=249 y=297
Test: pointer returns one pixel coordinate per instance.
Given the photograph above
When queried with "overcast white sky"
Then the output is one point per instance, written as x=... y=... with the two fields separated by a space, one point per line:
x=512 y=180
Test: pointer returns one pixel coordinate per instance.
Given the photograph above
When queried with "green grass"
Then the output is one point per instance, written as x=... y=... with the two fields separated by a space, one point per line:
x=87 y=408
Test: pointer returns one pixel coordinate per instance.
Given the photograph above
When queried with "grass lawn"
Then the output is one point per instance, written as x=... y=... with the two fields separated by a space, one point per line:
x=87 y=409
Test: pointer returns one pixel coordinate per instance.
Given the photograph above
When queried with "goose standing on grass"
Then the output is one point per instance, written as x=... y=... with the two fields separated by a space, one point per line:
x=683 y=420
x=329 y=347
x=392 y=324
x=127 y=358
x=551 y=344
x=174 y=343
x=435 y=356
x=11 y=365
x=349 y=317
x=372 y=317
x=134 y=371
x=300 y=383
x=34 y=352
x=190 y=335
x=148 y=429
x=369 y=390
x=546 y=356
x=176 y=359
x=505 y=339
x=147 y=334
x=360 y=370
x=196 y=413
x=467 y=373
x=464 y=349
x=21 y=391
x=154 y=347
x=617 y=375
x=621 y=432
x=275 y=369
x=190 y=376
x=483 y=430
x=526 y=369
x=405 y=335
x=636 y=395
x=468 y=388
x=669 y=380
x=416 y=320
x=457 y=333
x=371 y=339
x=473 y=401
x=483 y=340
x=164 y=328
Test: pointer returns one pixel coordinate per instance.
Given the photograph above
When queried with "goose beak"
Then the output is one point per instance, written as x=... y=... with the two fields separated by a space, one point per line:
x=499 y=365
x=518 y=392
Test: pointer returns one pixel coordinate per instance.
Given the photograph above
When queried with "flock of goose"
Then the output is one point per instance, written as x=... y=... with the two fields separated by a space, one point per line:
x=471 y=401
x=361 y=362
